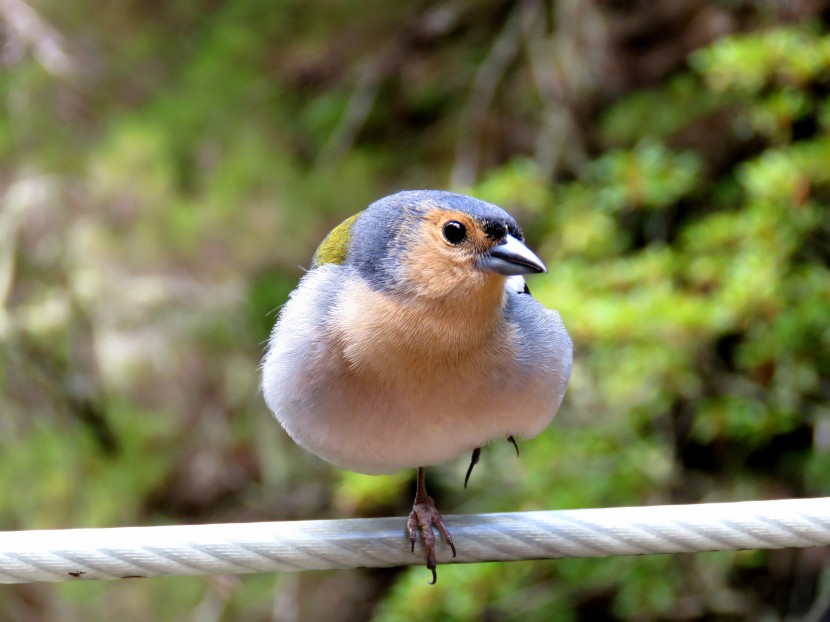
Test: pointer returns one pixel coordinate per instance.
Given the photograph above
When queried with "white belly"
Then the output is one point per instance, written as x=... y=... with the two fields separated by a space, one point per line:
x=365 y=424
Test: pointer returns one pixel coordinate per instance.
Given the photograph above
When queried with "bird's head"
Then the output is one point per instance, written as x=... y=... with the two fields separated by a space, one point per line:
x=431 y=244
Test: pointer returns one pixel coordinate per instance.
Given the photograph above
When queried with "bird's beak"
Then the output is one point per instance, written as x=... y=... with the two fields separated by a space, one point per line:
x=510 y=258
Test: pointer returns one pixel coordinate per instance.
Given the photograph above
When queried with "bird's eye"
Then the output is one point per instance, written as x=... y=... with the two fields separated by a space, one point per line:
x=454 y=232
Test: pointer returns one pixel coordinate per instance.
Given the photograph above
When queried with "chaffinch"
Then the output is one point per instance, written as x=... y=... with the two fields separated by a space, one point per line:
x=413 y=339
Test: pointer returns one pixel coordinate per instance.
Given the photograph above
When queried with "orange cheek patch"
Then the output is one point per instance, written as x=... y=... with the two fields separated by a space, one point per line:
x=436 y=268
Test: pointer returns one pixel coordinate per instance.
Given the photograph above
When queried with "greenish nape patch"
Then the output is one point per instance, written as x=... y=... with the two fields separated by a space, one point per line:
x=334 y=247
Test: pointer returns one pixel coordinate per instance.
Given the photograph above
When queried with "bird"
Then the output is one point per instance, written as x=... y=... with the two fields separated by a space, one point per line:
x=412 y=340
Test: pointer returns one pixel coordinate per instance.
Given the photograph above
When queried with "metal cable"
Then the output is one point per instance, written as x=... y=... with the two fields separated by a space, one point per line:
x=235 y=548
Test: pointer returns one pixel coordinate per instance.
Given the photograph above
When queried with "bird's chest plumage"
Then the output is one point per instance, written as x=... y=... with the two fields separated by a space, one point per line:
x=417 y=384
x=421 y=343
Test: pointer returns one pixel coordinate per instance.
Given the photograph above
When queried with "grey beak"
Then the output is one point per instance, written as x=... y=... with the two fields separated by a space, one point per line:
x=511 y=258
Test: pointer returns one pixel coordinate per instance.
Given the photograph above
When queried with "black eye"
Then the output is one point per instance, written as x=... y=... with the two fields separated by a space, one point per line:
x=455 y=232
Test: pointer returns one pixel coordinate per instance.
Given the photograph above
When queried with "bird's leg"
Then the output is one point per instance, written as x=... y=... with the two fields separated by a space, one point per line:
x=515 y=444
x=423 y=517
x=473 y=462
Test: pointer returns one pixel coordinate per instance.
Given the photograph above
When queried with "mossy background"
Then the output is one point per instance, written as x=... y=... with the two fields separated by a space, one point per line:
x=166 y=168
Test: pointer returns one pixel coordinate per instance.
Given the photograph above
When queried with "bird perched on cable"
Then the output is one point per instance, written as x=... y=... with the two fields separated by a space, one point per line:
x=413 y=339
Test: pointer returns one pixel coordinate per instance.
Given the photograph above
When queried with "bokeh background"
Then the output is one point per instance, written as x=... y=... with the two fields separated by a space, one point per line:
x=167 y=167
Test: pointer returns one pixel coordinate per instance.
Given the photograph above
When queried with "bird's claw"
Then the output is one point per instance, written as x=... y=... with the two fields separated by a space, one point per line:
x=473 y=462
x=515 y=444
x=423 y=518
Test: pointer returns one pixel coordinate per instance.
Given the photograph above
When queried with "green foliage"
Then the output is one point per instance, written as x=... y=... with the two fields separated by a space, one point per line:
x=658 y=114
x=647 y=176
x=749 y=63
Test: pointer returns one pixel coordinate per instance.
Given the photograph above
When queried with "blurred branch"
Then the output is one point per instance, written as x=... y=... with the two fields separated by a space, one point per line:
x=11 y=216
x=359 y=106
x=483 y=90
x=431 y=25
x=46 y=44
x=82 y=379
x=558 y=62
x=20 y=196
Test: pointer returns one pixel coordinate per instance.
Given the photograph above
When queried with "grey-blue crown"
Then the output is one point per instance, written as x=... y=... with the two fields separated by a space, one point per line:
x=377 y=231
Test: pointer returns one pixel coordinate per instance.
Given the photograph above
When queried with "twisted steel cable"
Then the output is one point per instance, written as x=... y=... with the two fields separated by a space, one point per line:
x=236 y=548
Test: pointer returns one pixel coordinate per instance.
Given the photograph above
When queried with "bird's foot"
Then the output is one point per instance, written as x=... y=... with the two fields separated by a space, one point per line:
x=423 y=517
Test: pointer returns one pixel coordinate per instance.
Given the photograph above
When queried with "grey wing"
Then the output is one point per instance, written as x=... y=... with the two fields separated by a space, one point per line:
x=544 y=343
x=297 y=343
